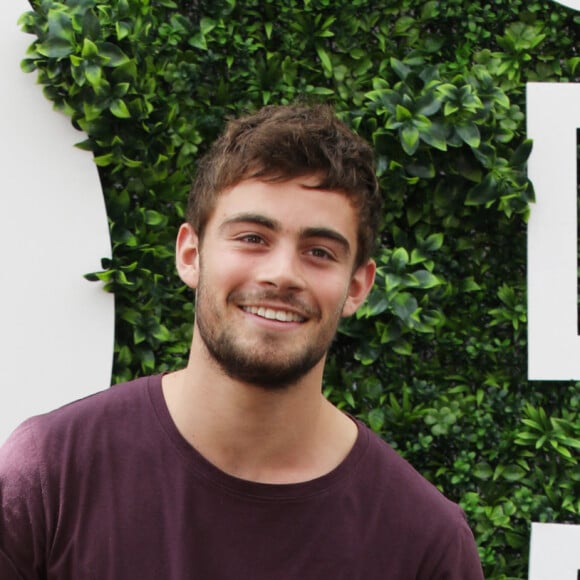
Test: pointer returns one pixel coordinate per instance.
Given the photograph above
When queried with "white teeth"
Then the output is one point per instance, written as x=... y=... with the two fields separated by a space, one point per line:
x=271 y=314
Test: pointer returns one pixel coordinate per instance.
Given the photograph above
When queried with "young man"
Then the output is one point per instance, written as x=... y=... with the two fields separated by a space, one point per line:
x=236 y=467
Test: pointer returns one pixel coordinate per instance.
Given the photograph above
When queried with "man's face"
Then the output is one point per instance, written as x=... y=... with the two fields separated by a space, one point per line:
x=274 y=277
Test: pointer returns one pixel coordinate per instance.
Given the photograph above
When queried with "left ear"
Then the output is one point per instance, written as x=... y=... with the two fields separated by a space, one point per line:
x=360 y=285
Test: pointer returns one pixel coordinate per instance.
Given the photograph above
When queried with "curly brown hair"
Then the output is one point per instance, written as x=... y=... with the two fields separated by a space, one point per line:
x=279 y=143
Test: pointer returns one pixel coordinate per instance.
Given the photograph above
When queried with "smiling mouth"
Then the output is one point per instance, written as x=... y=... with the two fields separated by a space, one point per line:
x=273 y=314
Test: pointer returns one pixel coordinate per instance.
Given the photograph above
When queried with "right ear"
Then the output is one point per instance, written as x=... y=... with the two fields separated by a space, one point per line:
x=187 y=255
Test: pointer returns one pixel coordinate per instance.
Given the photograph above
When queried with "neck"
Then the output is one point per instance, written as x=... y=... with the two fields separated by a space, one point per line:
x=273 y=436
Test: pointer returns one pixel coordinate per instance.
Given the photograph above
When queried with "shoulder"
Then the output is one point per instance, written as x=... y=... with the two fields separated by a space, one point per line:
x=430 y=529
x=122 y=401
x=18 y=461
x=118 y=397
x=22 y=517
x=41 y=461
x=395 y=476
x=59 y=431
x=49 y=448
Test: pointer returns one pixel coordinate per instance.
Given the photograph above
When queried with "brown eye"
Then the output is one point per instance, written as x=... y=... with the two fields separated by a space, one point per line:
x=251 y=239
x=321 y=253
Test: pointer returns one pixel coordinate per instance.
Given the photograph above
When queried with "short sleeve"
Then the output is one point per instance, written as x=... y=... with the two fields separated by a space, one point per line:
x=22 y=519
x=460 y=559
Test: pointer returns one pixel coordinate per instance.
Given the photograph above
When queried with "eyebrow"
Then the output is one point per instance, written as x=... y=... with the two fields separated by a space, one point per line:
x=275 y=226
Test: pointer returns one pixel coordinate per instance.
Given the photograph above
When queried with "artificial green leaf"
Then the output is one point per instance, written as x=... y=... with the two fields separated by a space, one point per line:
x=198 y=41
x=59 y=24
x=154 y=218
x=89 y=49
x=377 y=303
x=436 y=136
x=428 y=105
x=104 y=160
x=324 y=58
x=483 y=192
x=404 y=305
x=93 y=74
x=469 y=285
x=91 y=26
x=55 y=48
x=376 y=419
x=206 y=25
x=513 y=473
x=401 y=69
x=424 y=279
x=119 y=109
x=114 y=55
x=423 y=171
x=522 y=153
x=410 y=139
x=268 y=26
x=324 y=91
x=402 y=347
x=390 y=332
x=122 y=29
x=28 y=65
x=399 y=259
x=469 y=134
x=402 y=113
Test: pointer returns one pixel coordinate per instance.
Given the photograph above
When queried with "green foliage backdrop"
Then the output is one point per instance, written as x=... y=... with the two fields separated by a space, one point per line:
x=436 y=362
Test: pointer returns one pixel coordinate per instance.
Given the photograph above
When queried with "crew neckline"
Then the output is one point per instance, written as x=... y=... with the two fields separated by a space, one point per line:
x=201 y=467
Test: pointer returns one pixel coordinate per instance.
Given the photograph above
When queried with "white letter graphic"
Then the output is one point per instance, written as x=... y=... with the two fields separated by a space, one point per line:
x=553 y=341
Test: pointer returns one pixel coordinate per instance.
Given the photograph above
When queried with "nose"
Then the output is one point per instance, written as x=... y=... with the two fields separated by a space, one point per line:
x=282 y=268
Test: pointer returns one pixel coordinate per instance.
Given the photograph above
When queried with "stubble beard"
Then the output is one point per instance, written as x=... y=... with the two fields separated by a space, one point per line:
x=261 y=365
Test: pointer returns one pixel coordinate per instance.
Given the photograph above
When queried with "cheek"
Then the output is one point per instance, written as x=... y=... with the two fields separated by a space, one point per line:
x=332 y=293
x=221 y=272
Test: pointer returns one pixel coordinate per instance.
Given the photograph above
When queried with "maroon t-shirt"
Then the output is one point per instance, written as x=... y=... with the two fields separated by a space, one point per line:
x=107 y=489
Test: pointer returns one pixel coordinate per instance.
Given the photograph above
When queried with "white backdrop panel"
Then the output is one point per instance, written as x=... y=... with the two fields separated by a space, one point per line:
x=57 y=329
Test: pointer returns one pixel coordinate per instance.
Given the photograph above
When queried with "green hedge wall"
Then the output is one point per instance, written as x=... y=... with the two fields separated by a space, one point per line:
x=436 y=362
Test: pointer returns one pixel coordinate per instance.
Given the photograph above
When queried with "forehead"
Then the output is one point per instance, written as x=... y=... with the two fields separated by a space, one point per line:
x=294 y=204
x=295 y=199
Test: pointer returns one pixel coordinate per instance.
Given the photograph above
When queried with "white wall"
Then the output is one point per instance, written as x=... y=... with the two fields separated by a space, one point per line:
x=56 y=340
